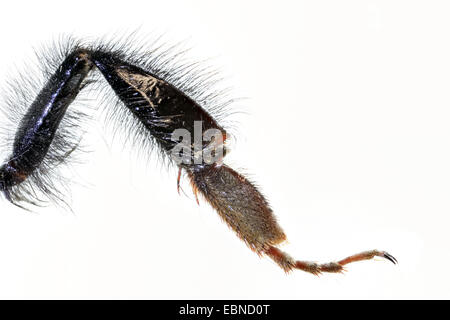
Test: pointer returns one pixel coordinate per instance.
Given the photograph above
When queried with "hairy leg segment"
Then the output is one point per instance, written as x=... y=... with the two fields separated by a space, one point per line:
x=159 y=107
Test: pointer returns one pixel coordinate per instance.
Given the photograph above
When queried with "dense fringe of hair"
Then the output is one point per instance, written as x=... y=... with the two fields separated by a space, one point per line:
x=46 y=184
x=196 y=79
x=171 y=63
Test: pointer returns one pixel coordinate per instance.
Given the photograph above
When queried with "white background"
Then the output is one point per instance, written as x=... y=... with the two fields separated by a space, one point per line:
x=346 y=130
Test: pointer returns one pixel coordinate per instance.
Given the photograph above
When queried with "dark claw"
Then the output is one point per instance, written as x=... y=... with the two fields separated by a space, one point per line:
x=390 y=257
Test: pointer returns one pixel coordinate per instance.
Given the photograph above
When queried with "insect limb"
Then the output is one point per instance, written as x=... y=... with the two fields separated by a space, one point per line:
x=246 y=211
x=287 y=263
x=239 y=204
x=158 y=105
x=158 y=108
x=38 y=127
x=367 y=255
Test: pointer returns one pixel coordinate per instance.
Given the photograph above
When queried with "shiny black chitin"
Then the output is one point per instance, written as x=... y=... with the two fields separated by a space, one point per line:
x=160 y=105
x=38 y=126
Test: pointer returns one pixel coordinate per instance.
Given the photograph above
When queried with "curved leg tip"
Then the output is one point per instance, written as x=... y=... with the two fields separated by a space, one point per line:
x=389 y=257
